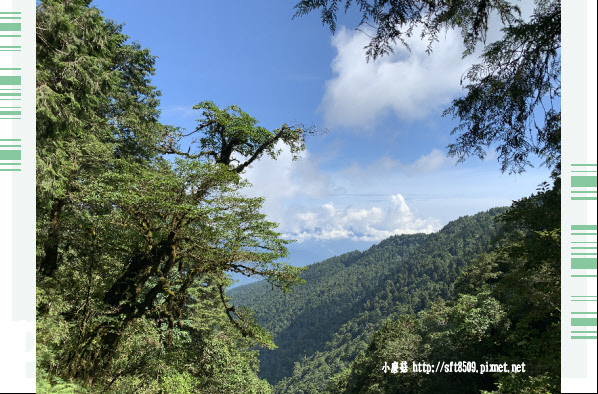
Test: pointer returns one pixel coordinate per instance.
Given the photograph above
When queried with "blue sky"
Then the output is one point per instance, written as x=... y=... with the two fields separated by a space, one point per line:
x=382 y=167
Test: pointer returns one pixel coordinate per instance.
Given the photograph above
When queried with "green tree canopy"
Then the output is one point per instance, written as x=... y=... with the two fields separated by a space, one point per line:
x=134 y=245
x=512 y=95
x=230 y=135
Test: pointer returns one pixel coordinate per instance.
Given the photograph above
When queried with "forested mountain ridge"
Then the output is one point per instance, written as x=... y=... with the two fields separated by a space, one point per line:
x=134 y=247
x=505 y=308
x=330 y=273
x=346 y=298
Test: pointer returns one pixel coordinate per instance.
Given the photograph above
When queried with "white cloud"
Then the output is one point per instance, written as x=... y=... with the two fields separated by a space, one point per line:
x=431 y=162
x=410 y=85
x=385 y=166
x=361 y=202
x=360 y=224
x=284 y=180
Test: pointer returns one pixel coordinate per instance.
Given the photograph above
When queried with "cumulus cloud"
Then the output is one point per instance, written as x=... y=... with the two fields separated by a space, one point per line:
x=356 y=203
x=410 y=85
x=360 y=224
x=284 y=180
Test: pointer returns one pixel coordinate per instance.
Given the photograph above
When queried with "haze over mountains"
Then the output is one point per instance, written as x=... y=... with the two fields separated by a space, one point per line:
x=325 y=323
x=309 y=252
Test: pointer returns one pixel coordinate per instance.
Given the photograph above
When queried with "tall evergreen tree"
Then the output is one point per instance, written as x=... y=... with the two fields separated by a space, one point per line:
x=134 y=245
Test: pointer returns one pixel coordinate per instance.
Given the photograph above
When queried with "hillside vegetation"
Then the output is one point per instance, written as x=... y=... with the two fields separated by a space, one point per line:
x=485 y=288
x=345 y=298
x=139 y=225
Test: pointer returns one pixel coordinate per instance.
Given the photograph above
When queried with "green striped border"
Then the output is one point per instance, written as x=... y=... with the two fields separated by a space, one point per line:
x=584 y=298
x=589 y=320
x=10 y=159
x=584 y=322
x=585 y=178
x=584 y=227
x=10 y=48
x=584 y=250
x=10 y=90
x=10 y=112
x=10 y=27
x=10 y=24
x=581 y=263
x=8 y=80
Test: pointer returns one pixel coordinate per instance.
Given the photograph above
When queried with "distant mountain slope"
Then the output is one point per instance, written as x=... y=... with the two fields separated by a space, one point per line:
x=326 y=322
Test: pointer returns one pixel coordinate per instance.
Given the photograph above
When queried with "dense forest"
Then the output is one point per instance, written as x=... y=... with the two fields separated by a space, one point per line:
x=354 y=292
x=470 y=292
x=135 y=234
x=505 y=309
x=139 y=225
x=408 y=298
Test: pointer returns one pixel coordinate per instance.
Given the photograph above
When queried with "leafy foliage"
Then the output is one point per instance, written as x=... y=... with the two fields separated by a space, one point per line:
x=506 y=304
x=450 y=296
x=230 y=134
x=512 y=99
x=323 y=325
x=132 y=248
x=396 y=20
x=512 y=95
x=505 y=309
x=135 y=234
